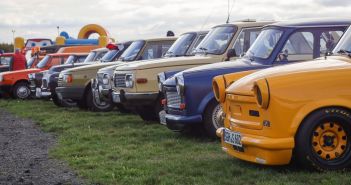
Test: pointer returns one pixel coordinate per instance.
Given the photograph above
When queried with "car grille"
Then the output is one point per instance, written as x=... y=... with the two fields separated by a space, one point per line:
x=120 y=80
x=60 y=81
x=173 y=99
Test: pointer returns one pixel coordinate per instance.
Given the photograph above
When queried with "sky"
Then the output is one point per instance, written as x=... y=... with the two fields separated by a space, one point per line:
x=137 y=19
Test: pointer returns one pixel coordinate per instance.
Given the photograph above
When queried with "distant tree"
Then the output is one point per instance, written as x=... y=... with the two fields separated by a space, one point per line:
x=6 y=47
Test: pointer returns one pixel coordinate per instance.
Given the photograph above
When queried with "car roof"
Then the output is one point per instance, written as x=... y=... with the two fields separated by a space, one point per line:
x=197 y=32
x=313 y=22
x=159 y=39
x=246 y=23
x=59 y=54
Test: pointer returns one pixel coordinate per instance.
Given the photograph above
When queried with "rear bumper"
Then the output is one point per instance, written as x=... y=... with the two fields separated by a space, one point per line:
x=74 y=93
x=260 y=149
x=179 y=123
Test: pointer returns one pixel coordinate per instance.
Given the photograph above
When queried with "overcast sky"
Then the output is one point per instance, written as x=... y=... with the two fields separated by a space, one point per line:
x=134 y=19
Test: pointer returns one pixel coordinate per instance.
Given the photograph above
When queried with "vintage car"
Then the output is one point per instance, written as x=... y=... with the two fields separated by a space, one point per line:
x=16 y=83
x=35 y=79
x=74 y=84
x=43 y=84
x=300 y=111
x=135 y=85
x=102 y=84
x=189 y=99
x=12 y=62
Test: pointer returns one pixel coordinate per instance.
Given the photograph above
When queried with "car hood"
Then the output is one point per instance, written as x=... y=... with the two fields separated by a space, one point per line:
x=23 y=71
x=245 y=84
x=167 y=62
x=212 y=70
x=93 y=66
x=60 y=68
x=108 y=70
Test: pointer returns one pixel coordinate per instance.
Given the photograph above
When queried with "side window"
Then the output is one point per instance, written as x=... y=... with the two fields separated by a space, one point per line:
x=99 y=55
x=197 y=42
x=5 y=60
x=155 y=50
x=298 y=47
x=245 y=40
x=80 y=59
x=328 y=40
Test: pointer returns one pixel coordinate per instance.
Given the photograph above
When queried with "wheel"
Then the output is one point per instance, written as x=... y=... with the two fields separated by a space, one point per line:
x=96 y=104
x=213 y=118
x=62 y=103
x=323 y=140
x=21 y=91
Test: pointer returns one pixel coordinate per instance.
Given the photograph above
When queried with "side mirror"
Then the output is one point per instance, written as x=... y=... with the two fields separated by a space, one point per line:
x=231 y=53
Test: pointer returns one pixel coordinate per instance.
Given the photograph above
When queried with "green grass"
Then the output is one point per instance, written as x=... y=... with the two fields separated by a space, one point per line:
x=112 y=148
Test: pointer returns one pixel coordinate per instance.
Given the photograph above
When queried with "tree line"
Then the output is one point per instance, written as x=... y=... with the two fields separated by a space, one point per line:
x=6 y=47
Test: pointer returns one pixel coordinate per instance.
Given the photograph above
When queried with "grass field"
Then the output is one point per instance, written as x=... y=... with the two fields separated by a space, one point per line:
x=112 y=148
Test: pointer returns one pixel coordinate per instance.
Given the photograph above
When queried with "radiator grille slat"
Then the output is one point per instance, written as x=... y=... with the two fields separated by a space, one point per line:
x=120 y=80
x=173 y=99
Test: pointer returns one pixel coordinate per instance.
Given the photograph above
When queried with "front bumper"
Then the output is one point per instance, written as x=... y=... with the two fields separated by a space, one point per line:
x=179 y=122
x=134 y=99
x=260 y=149
x=74 y=93
x=42 y=93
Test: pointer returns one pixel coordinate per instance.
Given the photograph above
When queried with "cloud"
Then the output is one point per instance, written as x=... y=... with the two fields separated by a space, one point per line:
x=136 y=19
x=334 y=2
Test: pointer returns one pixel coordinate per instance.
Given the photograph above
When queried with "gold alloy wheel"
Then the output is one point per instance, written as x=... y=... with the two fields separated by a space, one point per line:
x=329 y=140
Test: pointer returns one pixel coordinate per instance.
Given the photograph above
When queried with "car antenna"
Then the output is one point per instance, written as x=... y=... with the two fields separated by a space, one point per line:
x=229 y=10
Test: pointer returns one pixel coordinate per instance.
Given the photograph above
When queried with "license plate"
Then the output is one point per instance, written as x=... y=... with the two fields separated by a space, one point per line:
x=38 y=92
x=233 y=138
x=162 y=116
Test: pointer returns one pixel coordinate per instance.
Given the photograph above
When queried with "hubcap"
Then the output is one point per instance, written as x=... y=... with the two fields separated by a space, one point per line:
x=217 y=117
x=329 y=141
x=23 y=92
x=97 y=100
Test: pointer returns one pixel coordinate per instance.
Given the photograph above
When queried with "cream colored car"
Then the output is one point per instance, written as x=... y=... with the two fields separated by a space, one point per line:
x=135 y=85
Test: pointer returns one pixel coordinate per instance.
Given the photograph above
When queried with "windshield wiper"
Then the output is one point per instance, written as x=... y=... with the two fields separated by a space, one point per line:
x=344 y=51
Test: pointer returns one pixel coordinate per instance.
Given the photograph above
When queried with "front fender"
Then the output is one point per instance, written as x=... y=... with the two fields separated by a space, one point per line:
x=312 y=106
x=204 y=102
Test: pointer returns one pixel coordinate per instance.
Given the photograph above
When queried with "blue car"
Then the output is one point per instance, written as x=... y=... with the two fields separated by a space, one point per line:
x=189 y=99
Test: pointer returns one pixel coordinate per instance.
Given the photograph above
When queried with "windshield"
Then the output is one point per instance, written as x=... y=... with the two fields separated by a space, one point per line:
x=264 y=44
x=70 y=59
x=216 y=41
x=90 y=57
x=109 y=56
x=132 y=51
x=43 y=62
x=30 y=62
x=181 y=45
x=344 y=45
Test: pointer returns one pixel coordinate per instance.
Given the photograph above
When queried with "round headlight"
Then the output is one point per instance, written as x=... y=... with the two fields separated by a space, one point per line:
x=160 y=79
x=261 y=91
x=218 y=85
x=180 y=85
x=129 y=81
x=106 y=79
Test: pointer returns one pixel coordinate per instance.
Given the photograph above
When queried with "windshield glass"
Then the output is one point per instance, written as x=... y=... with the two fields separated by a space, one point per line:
x=181 y=45
x=264 y=44
x=70 y=60
x=30 y=62
x=132 y=51
x=344 y=45
x=109 y=56
x=216 y=41
x=90 y=57
x=43 y=62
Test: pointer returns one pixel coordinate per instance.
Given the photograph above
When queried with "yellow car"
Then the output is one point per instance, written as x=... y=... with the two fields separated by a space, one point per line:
x=301 y=110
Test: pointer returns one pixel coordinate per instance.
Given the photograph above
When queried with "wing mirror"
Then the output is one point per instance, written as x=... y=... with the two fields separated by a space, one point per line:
x=231 y=53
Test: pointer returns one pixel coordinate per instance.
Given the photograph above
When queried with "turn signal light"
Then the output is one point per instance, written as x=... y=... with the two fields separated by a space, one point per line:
x=141 y=80
x=163 y=102
x=182 y=106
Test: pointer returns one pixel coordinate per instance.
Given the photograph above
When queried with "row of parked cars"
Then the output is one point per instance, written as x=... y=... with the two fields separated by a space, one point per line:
x=253 y=84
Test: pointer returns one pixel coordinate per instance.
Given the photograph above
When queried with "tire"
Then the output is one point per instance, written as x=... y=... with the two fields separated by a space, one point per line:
x=95 y=106
x=150 y=113
x=213 y=118
x=323 y=140
x=63 y=103
x=21 y=91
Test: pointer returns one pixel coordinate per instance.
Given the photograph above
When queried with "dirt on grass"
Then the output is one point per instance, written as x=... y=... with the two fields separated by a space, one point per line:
x=24 y=154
